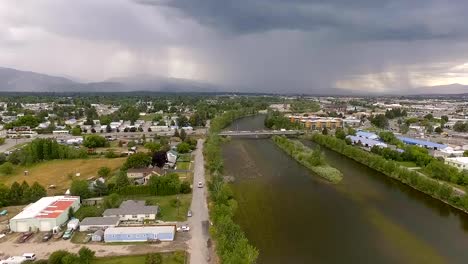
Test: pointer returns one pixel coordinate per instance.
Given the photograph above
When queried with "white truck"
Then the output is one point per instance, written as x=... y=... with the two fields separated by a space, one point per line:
x=14 y=260
x=73 y=224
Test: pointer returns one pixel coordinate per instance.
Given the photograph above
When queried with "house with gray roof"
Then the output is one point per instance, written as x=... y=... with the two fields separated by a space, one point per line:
x=132 y=210
x=98 y=223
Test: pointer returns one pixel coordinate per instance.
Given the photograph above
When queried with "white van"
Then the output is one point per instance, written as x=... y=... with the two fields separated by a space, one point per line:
x=30 y=256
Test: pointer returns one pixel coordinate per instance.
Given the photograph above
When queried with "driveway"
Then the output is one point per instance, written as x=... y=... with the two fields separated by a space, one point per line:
x=199 y=222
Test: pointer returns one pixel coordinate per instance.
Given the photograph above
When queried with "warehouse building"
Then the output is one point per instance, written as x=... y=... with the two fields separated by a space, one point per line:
x=460 y=163
x=139 y=234
x=98 y=223
x=45 y=214
x=422 y=143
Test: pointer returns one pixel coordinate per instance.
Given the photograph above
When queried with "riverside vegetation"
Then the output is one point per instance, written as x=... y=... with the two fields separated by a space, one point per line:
x=393 y=169
x=232 y=246
x=314 y=160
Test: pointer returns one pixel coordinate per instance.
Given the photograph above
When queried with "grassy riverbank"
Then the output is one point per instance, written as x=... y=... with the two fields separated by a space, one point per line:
x=311 y=159
x=231 y=244
x=393 y=169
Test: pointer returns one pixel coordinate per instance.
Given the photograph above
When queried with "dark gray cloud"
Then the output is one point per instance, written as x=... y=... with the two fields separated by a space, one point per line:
x=248 y=45
x=361 y=19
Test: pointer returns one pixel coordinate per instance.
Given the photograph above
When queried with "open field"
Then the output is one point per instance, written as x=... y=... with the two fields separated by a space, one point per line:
x=183 y=165
x=57 y=172
x=168 y=258
x=168 y=211
x=409 y=164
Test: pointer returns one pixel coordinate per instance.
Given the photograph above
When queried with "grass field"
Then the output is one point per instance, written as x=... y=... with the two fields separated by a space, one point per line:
x=168 y=211
x=183 y=165
x=56 y=172
x=168 y=258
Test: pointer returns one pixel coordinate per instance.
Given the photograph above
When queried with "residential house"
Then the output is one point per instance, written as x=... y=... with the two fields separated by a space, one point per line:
x=142 y=175
x=132 y=210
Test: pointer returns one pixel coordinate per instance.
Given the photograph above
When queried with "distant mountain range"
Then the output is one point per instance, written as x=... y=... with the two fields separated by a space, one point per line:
x=12 y=80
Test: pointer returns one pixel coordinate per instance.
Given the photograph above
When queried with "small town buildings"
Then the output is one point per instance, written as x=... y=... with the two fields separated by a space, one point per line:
x=139 y=234
x=460 y=163
x=98 y=223
x=45 y=214
x=317 y=123
x=172 y=157
x=92 y=201
x=132 y=210
x=142 y=175
x=449 y=152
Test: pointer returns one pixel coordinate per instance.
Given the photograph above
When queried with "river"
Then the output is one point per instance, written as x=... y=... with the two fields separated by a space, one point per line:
x=293 y=216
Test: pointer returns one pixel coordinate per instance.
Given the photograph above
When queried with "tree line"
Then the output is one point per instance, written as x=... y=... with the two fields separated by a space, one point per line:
x=42 y=149
x=313 y=159
x=394 y=170
x=232 y=246
x=19 y=194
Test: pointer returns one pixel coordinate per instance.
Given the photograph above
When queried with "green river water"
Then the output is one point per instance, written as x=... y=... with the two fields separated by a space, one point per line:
x=293 y=216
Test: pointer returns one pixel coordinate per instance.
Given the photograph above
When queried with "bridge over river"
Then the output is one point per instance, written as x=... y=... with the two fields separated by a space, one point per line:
x=261 y=133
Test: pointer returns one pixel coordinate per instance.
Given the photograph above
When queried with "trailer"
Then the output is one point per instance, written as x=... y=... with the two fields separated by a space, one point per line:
x=73 y=224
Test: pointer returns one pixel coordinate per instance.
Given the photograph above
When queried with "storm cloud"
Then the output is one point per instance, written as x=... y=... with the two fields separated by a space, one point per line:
x=256 y=45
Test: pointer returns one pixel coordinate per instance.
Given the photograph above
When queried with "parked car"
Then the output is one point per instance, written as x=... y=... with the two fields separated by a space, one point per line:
x=200 y=184
x=25 y=237
x=30 y=256
x=47 y=236
x=3 y=212
x=184 y=228
x=68 y=234
x=189 y=213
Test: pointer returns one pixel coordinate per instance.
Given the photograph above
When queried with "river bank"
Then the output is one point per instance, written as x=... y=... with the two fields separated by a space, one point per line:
x=311 y=159
x=422 y=183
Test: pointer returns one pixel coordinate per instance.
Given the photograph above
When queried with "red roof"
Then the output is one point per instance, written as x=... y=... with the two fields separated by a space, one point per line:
x=55 y=209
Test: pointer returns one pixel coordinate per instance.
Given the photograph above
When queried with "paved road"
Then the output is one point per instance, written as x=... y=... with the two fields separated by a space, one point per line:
x=199 y=222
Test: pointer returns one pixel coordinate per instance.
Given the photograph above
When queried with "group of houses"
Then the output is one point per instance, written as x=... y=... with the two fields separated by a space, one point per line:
x=127 y=223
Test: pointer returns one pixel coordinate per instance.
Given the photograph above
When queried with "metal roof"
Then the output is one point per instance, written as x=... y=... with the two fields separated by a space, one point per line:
x=366 y=134
x=414 y=141
x=96 y=221
x=367 y=141
x=47 y=207
x=132 y=207
x=139 y=230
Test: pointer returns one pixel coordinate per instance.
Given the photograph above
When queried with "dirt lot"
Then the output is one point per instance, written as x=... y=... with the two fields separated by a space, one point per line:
x=10 y=246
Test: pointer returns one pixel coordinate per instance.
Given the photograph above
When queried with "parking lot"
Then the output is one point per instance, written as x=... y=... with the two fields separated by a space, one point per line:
x=9 y=246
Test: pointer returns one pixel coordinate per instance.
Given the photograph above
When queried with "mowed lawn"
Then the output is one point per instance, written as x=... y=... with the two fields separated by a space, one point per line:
x=168 y=258
x=58 y=172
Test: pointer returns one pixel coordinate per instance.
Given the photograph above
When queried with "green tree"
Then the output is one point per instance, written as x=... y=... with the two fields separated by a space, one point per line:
x=16 y=193
x=339 y=133
x=444 y=118
x=4 y=195
x=86 y=255
x=113 y=200
x=57 y=256
x=153 y=146
x=137 y=160
x=183 y=147
x=37 y=191
x=7 y=168
x=465 y=153
x=122 y=180
x=94 y=141
x=176 y=133
x=76 y=131
x=183 y=134
x=438 y=130
x=104 y=172
x=324 y=131
x=80 y=188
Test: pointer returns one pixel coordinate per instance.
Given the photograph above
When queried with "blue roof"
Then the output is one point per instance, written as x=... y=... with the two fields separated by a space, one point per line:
x=425 y=143
x=365 y=134
x=366 y=141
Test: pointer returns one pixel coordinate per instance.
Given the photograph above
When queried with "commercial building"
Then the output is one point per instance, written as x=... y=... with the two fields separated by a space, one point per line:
x=422 y=143
x=45 y=214
x=367 y=135
x=139 y=234
x=366 y=142
x=98 y=223
x=317 y=123
x=460 y=163
x=133 y=211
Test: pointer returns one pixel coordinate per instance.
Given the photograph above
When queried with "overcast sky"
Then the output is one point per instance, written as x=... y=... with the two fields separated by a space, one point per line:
x=253 y=45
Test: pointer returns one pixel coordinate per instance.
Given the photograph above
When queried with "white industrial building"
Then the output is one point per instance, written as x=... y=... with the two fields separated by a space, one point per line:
x=460 y=163
x=45 y=214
